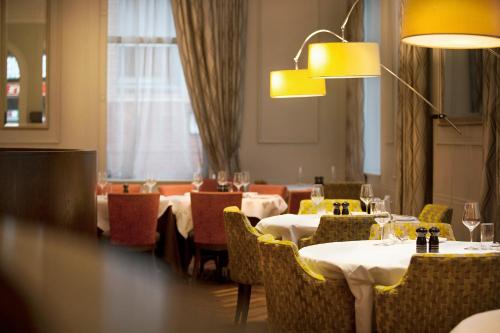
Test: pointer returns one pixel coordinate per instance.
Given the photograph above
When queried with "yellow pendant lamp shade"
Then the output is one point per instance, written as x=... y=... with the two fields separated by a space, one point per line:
x=296 y=83
x=452 y=24
x=344 y=60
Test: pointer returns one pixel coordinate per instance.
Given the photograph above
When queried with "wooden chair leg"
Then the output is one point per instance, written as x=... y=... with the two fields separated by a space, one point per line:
x=239 y=303
x=246 y=303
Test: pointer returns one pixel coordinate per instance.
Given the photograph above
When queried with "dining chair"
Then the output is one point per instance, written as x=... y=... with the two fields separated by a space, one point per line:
x=409 y=229
x=341 y=228
x=348 y=190
x=299 y=299
x=307 y=206
x=244 y=263
x=437 y=292
x=432 y=213
x=280 y=190
x=174 y=189
x=210 y=241
x=133 y=219
x=294 y=199
x=209 y=185
x=132 y=188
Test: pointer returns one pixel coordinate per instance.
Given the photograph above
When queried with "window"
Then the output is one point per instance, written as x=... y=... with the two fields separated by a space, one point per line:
x=371 y=107
x=151 y=128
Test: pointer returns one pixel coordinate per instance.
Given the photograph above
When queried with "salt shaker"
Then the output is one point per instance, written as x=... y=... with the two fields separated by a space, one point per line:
x=434 y=240
x=345 y=208
x=336 y=208
x=125 y=188
x=421 y=240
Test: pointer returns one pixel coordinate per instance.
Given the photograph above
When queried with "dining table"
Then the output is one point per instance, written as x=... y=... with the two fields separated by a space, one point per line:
x=367 y=263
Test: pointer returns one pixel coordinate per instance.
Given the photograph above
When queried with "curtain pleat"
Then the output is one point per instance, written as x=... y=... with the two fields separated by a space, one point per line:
x=211 y=36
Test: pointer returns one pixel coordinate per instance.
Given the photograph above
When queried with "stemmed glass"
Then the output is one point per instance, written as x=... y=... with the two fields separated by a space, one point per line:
x=238 y=180
x=102 y=182
x=366 y=194
x=150 y=184
x=197 y=181
x=245 y=179
x=317 y=195
x=471 y=219
x=222 y=178
x=383 y=216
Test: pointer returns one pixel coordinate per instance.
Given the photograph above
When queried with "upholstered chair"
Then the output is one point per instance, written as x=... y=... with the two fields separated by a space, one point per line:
x=348 y=190
x=207 y=209
x=409 y=229
x=433 y=213
x=280 y=190
x=437 y=292
x=133 y=219
x=307 y=206
x=175 y=189
x=294 y=199
x=244 y=263
x=209 y=185
x=132 y=188
x=341 y=228
x=298 y=299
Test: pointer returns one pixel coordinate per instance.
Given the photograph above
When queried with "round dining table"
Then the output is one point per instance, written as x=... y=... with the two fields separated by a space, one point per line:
x=365 y=264
x=484 y=322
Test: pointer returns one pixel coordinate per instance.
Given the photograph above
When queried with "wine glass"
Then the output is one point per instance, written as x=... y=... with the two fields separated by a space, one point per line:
x=222 y=178
x=317 y=195
x=245 y=179
x=383 y=216
x=197 y=181
x=332 y=170
x=471 y=219
x=366 y=194
x=102 y=182
x=150 y=184
x=300 y=173
x=238 y=180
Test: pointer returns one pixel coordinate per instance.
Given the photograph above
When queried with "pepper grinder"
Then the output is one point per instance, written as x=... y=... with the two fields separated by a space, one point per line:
x=345 y=208
x=434 y=240
x=336 y=208
x=125 y=188
x=421 y=240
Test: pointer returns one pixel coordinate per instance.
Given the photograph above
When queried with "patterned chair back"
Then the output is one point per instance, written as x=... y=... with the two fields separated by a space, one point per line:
x=409 y=229
x=298 y=299
x=346 y=190
x=207 y=210
x=340 y=229
x=280 y=190
x=440 y=290
x=307 y=206
x=175 y=189
x=242 y=246
x=294 y=199
x=433 y=213
x=133 y=218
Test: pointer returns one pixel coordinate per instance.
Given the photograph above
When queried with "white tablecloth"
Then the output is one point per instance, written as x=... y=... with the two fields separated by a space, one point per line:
x=102 y=211
x=484 y=322
x=365 y=264
x=289 y=226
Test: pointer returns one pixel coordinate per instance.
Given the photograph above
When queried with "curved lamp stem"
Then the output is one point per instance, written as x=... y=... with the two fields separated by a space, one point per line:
x=342 y=28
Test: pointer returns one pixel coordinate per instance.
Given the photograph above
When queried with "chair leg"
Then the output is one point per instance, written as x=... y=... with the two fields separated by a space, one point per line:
x=246 y=303
x=197 y=264
x=239 y=303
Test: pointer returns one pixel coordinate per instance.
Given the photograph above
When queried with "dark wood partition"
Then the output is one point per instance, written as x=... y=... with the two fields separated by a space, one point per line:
x=54 y=187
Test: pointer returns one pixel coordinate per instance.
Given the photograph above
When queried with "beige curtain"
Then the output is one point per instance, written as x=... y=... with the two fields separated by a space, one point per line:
x=354 y=153
x=413 y=132
x=490 y=104
x=211 y=36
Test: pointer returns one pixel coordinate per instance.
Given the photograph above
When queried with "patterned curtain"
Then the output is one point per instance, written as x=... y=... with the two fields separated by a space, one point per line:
x=211 y=37
x=413 y=132
x=354 y=153
x=490 y=104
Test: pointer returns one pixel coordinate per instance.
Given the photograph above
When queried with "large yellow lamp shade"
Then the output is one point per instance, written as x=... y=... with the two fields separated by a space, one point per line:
x=452 y=24
x=295 y=83
x=344 y=60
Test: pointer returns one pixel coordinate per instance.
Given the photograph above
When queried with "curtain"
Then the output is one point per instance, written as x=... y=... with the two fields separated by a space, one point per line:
x=151 y=128
x=355 y=97
x=212 y=36
x=413 y=132
x=490 y=104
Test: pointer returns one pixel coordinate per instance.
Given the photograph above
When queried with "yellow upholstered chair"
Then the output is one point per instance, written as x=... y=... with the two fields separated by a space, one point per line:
x=340 y=228
x=307 y=206
x=244 y=262
x=433 y=213
x=409 y=229
x=348 y=190
x=437 y=292
x=298 y=299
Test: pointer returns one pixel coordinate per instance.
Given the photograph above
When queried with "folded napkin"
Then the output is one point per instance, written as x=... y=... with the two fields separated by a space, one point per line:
x=397 y=217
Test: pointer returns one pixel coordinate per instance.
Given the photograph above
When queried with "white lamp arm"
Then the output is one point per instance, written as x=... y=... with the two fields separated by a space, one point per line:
x=297 y=56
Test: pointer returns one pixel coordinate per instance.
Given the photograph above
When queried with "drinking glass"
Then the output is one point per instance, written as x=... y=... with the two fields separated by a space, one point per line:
x=222 y=178
x=317 y=195
x=245 y=179
x=487 y=235
x=332 y=170
x=299 y=175
x=197 y=181
x=238 y=180
x=383 y=216
x=471 y=219
x=366 y=194
x=102 y=182
x=150 y=184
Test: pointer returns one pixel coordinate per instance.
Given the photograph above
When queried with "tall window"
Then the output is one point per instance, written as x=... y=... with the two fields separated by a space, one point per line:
x=151 y=128
x=371 y=108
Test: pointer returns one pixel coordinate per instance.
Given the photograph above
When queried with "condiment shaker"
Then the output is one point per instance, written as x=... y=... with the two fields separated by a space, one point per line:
x=125 y=188
x=421 y=240
x=336 y=208
x=345 y=208
x=434 y=240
